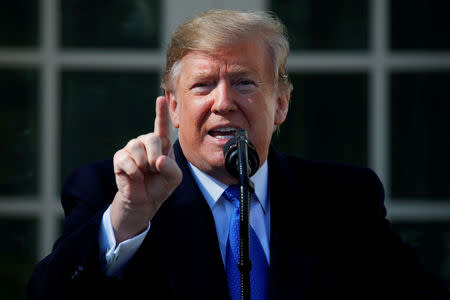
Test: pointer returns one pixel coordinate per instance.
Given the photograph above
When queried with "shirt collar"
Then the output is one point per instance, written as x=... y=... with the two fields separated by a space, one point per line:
x=212 y=189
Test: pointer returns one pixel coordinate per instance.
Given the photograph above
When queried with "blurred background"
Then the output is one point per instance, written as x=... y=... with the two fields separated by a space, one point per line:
x=78 y=79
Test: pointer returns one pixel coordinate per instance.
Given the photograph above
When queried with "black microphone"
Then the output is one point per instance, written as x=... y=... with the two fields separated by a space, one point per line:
x=242 y=161
x=231 y=152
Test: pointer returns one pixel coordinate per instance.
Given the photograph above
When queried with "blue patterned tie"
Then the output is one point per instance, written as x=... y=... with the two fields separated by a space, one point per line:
x=260 y=267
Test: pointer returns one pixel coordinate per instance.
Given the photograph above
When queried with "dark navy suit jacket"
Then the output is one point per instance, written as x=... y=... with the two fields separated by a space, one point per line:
x=329 y=239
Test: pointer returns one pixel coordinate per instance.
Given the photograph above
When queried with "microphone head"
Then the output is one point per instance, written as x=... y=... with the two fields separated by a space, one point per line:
x=231 y=154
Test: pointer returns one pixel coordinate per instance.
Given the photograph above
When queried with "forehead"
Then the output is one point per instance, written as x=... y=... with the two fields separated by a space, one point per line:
x=248 y=57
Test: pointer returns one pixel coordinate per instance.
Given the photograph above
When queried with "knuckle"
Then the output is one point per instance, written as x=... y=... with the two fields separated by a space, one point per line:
x=151 y=139
x=120 y=156
x=143 y=136
x=133 y=144
x=123 y=162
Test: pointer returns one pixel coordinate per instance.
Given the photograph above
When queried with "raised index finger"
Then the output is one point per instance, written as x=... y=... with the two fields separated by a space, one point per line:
x=162 y=119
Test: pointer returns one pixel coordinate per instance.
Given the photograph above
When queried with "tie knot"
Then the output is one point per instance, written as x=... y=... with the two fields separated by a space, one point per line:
x=232 y=194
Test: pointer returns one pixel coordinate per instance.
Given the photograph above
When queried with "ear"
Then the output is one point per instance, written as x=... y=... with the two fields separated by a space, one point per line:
x=282 y=108
x=173 y=108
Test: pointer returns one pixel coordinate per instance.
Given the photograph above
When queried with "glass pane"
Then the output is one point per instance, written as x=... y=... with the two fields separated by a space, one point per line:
x=19 y=23
x=420 y=25
x=20 y=133
x=432 y=242
x=101 y=112
x=327 y=118
x=324 y=24
x=17 y=255
x=419 y=135
x=110 y=23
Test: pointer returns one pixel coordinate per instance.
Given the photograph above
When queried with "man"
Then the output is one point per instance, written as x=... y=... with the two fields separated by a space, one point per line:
x=157 y=221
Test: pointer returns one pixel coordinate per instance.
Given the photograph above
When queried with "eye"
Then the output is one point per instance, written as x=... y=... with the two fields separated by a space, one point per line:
x=245 y=85
x=245 y=82
x=201 y=87
x=198 y=85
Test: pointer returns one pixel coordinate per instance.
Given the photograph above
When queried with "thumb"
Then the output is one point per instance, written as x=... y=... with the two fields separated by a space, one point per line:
x=169 y=169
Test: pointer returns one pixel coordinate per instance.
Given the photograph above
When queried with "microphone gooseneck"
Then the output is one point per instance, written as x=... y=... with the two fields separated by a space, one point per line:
x=242 y=161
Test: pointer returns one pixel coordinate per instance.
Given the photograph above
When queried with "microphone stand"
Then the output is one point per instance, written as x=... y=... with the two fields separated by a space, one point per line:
x=247 y=187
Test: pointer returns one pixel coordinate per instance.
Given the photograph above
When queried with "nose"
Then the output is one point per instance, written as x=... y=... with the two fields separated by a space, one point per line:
x=224 y=99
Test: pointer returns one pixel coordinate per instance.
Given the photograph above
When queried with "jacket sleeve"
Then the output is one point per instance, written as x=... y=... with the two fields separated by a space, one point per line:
x=74 y=263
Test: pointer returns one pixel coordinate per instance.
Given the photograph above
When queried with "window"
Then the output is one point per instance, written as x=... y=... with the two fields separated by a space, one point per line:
x=370 y=88
x=65 y=68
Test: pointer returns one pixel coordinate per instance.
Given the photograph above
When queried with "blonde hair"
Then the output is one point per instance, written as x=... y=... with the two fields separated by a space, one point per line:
x=221 y=28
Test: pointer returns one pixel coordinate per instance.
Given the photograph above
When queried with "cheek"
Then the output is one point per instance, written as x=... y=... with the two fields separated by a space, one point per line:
x=193 y=116
x=262 y=124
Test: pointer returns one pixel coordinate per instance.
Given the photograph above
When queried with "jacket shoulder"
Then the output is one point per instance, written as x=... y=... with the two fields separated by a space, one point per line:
x=323 y=172
x=328 y=186
x=93 y=184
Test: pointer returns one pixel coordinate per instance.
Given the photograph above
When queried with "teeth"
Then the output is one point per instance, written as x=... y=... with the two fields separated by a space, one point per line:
x=224 y=133
x=224 y=137
x=226 y=129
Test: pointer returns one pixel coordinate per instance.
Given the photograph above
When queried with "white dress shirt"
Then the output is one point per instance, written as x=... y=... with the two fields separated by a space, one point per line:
x=222 y=209
x=117 y=256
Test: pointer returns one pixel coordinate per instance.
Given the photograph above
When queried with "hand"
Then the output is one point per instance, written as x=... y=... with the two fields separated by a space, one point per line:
x=146 y=174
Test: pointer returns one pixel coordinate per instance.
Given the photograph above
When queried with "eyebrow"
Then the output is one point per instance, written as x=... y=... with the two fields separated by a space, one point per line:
x=240 y=70
x=234 y=72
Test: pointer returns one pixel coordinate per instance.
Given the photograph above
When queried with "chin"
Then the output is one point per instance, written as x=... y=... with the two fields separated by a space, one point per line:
x=216 y=163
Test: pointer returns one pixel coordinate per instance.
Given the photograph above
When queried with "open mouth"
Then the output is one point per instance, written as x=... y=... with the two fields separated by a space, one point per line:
x=223 y=133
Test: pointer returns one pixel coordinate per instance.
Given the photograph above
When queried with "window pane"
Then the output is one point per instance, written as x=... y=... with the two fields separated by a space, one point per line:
x=432 y=242
x=19 y=130
x=17 y=255
x=327 y=118
x=324 y=24
x=419 y=135
x=110 y=23
x=19 y=23
x=102 y=111
x=420 y=25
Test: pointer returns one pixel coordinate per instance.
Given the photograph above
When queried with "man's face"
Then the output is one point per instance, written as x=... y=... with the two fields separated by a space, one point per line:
x=219 y=92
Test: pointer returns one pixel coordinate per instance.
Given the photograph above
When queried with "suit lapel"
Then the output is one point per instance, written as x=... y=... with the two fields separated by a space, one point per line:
x=291 y=266
x=186 y=240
